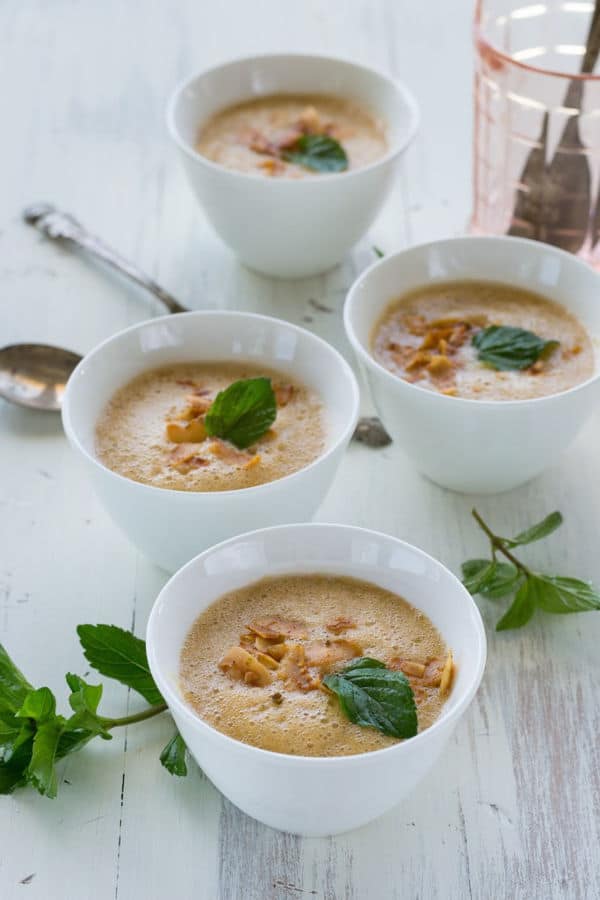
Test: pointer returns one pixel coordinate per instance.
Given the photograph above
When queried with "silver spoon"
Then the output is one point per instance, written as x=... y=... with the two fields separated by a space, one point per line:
x=62 y=227
x=35 y=375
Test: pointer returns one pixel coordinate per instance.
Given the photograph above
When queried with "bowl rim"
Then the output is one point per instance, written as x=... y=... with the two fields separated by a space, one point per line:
x=192 y=496
x=401 y=90
x=366 y=357
x=445 y=718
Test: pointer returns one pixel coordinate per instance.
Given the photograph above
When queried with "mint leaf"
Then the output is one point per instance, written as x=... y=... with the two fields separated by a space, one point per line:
x=243 y=412
x=41 y=772
x=522 y=609
x=84 y=700
x=504 y=347
x=558 y=594
x=173 y=756
x=39 y=705
x=536 y=532
x=477 y=573
x=15 y=759
x=501 y=581
x=118 y=654
x=377 y=251
x=13 y=685
x=376 y=697
x=318 y=152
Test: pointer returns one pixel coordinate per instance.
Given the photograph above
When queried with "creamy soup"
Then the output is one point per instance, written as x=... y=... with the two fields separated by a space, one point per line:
x=253 y=662
x=426 y=337
x=256 y=136
x=153 y=430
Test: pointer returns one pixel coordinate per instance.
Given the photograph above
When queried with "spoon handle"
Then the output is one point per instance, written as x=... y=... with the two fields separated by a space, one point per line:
x=61 y=226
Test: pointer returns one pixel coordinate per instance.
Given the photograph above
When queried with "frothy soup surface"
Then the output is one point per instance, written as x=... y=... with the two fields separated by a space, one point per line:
x=255 y=135
x=425 y=337
x=295 y=629
x=143 y=432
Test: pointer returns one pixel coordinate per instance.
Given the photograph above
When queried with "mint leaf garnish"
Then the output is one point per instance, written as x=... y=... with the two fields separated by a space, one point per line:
x=118 y=654
x=243 y=412
x=504 y=347
x=376 y=697
x=173 y=756
x=552 y=593
x=318 y=152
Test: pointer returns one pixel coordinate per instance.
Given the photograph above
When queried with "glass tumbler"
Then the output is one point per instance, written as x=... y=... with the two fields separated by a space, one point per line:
x=537 y=123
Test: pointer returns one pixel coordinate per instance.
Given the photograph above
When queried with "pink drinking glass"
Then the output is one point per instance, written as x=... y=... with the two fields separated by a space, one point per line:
x=536 y=167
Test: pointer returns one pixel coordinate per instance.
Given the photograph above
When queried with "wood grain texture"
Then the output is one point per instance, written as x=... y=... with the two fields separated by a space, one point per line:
x=513 y=810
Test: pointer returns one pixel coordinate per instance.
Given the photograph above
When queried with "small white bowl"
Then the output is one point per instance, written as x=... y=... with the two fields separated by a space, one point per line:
x=170 y=527
x=281 y=226
x=315 y=796
x=476 y=446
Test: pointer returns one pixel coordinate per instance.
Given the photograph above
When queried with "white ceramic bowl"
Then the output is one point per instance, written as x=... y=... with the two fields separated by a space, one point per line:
x=286 y=227
x=171 y=527
x=315 y=795
x=476 y=446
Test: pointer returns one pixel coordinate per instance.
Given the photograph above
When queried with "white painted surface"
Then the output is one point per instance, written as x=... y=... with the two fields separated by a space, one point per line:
x=513 y=810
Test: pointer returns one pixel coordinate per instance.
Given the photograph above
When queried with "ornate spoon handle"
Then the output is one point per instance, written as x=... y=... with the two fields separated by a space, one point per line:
x=60 y=226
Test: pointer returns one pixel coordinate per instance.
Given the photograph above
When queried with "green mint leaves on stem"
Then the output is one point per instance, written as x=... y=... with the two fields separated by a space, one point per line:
x=318 y=152
x=243 y=412
x=33 y=737
x=494 y=579
x=374 y=696
x=504 y=347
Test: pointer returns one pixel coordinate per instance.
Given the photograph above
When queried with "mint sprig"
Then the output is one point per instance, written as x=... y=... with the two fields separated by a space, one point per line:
x=505 y=347
x=318 y=152
x=34 y=737
x=493 y=578
x=374 y=696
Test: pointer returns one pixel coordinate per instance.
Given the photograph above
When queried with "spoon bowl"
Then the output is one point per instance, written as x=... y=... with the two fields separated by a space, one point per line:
x=35 y=375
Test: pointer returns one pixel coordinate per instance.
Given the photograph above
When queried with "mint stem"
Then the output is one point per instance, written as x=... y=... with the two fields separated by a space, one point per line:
x=135 y=717
x=498 y=544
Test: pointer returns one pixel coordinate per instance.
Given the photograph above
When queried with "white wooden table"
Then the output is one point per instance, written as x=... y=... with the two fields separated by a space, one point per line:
x=513 y=810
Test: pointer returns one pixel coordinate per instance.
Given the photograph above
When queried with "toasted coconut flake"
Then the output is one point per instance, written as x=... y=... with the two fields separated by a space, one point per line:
x=447 y=676
x=184 y=458
x=310 y=121
x=284 y=393
x=229 y=454
x=439 y=365
x=340 y=624
x=193 y=432
x=240 y=665
x=419 y=359
x=433 y=672
x=408 y=666
x=325 y=654
x=277 y=627
x=294 y=671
